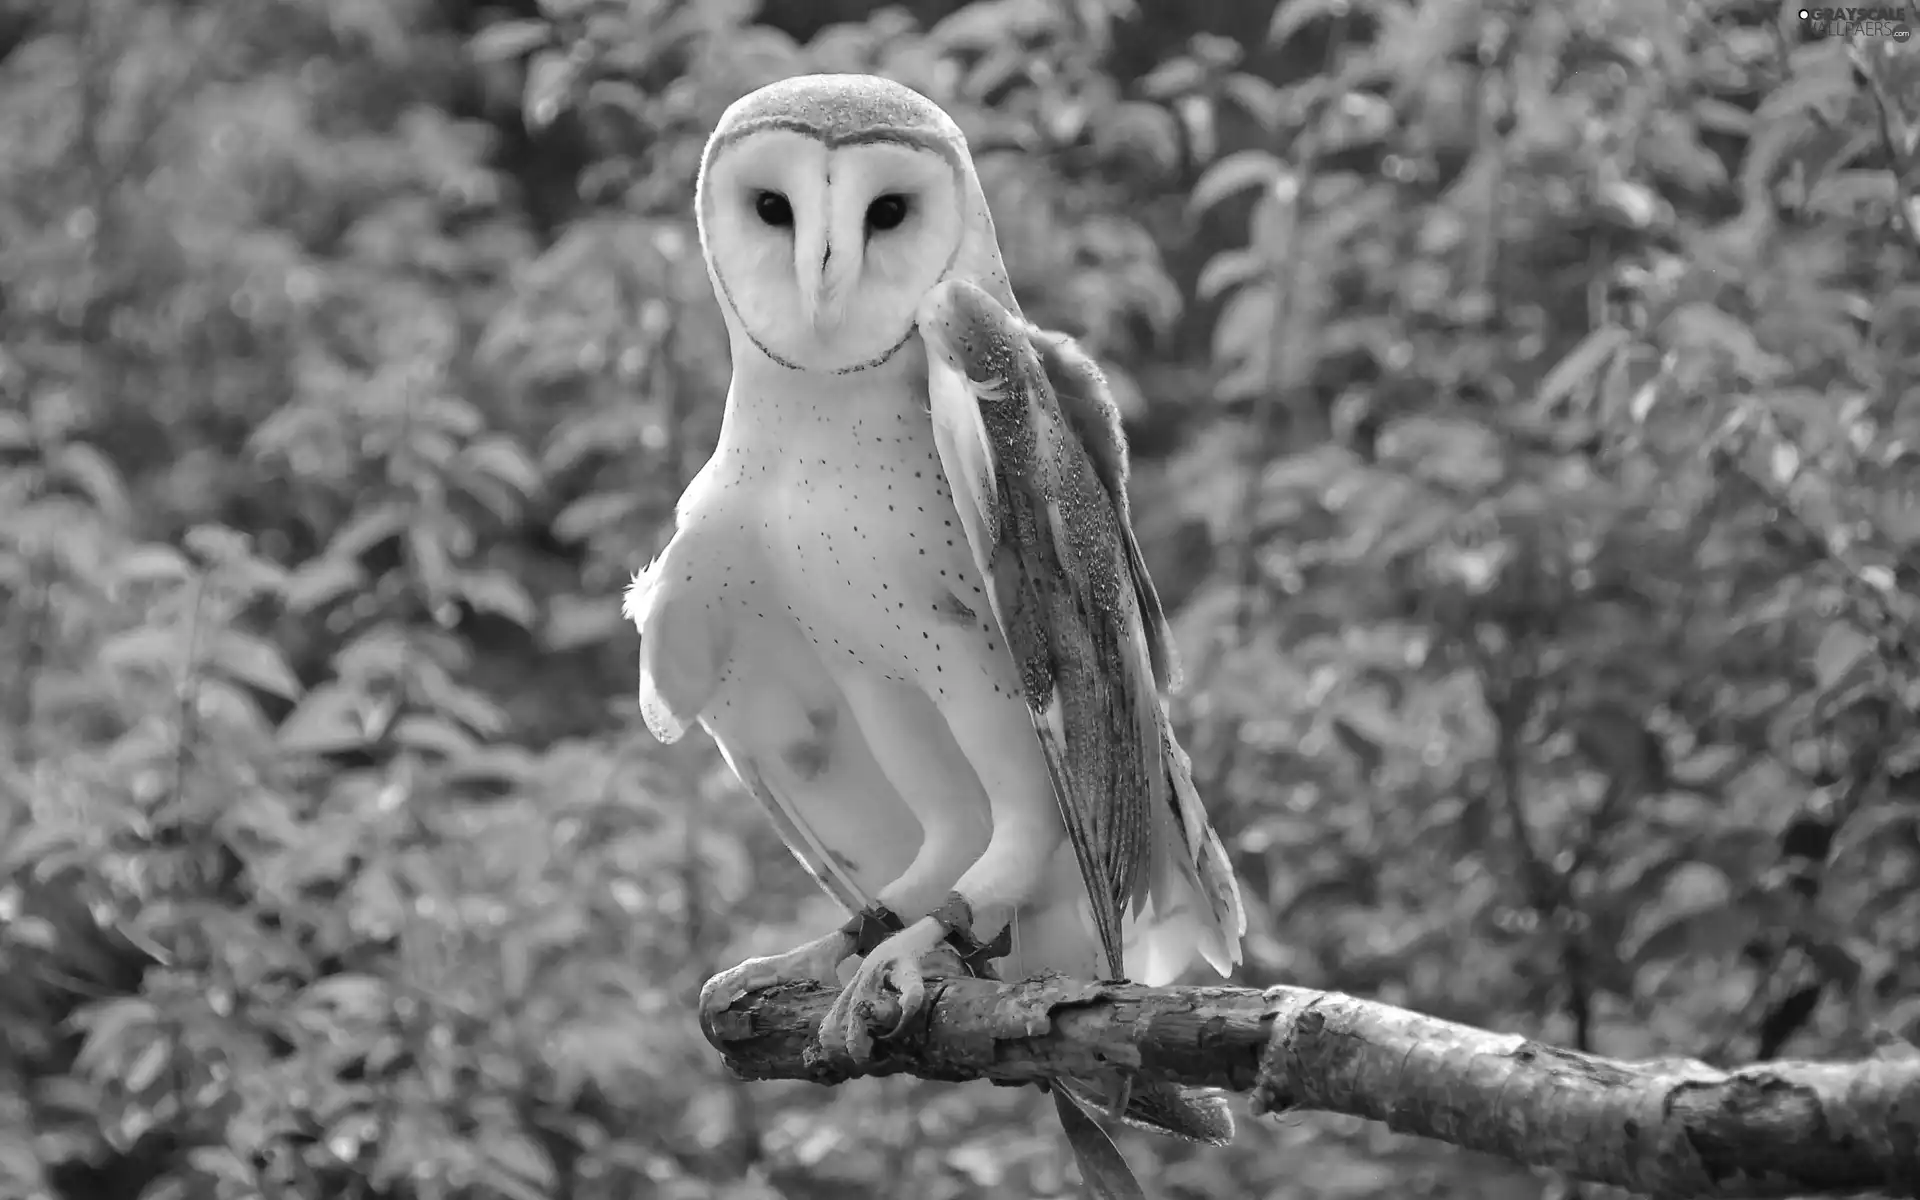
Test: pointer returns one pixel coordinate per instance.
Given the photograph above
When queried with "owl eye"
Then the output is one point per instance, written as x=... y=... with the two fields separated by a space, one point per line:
x=886 y=212
x=772 y=208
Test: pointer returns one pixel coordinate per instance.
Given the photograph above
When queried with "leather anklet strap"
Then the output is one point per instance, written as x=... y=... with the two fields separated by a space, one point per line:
x=871 y=926
x=956 y=917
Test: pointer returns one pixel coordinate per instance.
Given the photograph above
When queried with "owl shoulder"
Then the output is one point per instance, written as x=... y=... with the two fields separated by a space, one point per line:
x=1089 y=408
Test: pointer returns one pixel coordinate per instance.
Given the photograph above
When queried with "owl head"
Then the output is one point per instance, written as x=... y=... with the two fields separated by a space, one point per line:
x=828 y=206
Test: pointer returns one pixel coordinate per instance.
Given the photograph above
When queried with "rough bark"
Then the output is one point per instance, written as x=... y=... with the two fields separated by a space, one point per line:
x=1667 y=1128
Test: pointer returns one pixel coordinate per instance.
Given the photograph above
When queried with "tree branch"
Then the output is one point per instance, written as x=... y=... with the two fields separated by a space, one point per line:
x=1668 y=1128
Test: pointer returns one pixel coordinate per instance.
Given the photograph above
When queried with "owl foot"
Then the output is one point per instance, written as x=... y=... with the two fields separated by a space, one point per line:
x=895 y=965
x=818 y=960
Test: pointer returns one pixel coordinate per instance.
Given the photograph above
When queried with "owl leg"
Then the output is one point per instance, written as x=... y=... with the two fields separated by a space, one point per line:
x=992 y=731
x=909 y=739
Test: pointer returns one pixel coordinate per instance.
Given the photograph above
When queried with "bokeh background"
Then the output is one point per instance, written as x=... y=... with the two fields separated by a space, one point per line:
x=1524 y=403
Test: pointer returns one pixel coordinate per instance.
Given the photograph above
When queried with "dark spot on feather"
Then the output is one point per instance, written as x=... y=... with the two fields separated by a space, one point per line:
x=811 y=756
x=823 y=720
x=953 y=610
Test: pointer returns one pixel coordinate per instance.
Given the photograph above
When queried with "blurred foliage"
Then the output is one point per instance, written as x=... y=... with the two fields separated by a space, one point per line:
x=1527 y=401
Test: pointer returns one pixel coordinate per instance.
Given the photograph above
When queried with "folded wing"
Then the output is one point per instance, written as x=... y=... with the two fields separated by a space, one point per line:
x=1032 y=448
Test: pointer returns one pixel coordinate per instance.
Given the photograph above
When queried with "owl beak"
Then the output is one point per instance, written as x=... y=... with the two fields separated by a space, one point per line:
x=821 y=298
x=813 y=252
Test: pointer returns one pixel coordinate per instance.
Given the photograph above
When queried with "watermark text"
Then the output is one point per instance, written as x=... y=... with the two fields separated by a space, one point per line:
x=1870 y=21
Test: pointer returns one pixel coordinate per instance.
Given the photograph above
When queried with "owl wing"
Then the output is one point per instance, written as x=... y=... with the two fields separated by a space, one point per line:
x=1032 y=448
x=837 y=814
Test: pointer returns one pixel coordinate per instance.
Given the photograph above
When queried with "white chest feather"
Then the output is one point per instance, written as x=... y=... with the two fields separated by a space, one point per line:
x=863 y=547
x=822 y=546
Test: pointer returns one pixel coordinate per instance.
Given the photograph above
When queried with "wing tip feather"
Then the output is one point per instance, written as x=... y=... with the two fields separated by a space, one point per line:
x=661 y=721
x=642 y=604
x=1207 y=866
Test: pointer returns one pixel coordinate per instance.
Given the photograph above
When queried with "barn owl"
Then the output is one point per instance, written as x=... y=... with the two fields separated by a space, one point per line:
x=904 y=595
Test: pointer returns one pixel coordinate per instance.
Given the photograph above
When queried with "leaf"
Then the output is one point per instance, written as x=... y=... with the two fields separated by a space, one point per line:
x=1235 y=173
x=503 y=40
x=1718 y=116
x=1890 y=1046
x=1841 y=647
x=500 y=458
x=1704 y=326
x=1276 y=219
x=516 y=964
x=1717 y=932
x=356 y=997
x=146 y=1068
x=500 y=764
x=988 y=24
x=1821 y=80
x=1244 y=332
x=217 y=544
x=40 y=844
x=110 y=1025
x=1784 y=460
x=1291 y=16
x=319 y=582
x=428 y=542
x=594 y=433
x=1617 y=741
x=592 y=513
x=454 y=416
x=466 y=705
x=1633 y=204
x=1881 y=825
x=150 y=648
x=1227 y=270
x=328 y=720
x=997 y=67
x=233 y=708
x=16 y=432
x=153 y=562
x=1737 y=852
x=1843 y=194
x=1145 y=129
x=418 y=731
x=267 y=818
x=1582 y=363
x=550 y=77
x=1175 y=77
x=521 y=1169
x=1261 y=100
x=1364 y=749
x=1835 y=961
x=368 y=528
x=499 y=593
x=576 y=621
x=246 y=659
x=223 y=1164
x=92 y=473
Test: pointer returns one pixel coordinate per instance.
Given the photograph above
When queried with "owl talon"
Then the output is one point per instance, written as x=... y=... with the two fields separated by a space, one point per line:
x=848 y=1030
x=818 y=960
